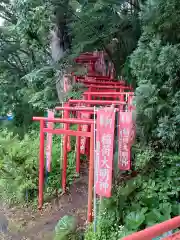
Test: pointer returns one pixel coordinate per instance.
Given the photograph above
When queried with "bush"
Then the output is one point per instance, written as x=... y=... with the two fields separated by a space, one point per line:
x=65 y=228
x=149 y=198
x=19 y=167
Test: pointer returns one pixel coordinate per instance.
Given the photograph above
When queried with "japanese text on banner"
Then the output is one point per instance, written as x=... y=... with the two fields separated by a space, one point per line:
x=66 y=115
x=104 y=151
x=125 y=132
x=50 y=125
x=84 y=128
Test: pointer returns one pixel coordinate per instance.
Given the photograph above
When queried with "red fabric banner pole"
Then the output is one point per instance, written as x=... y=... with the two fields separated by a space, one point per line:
x=91 y=176
x=64 y=170
x=50 y=125
x=66 y=115
x=41 y=165
x=78 y=150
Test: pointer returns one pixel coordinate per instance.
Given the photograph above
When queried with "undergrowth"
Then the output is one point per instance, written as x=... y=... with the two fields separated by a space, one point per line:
x=149 y=198
x=19 y=167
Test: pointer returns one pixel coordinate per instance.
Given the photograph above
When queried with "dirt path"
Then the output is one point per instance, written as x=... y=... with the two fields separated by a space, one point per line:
x=26 y=224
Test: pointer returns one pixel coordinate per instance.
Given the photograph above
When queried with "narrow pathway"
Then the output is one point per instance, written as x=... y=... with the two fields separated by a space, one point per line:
x=40 y=225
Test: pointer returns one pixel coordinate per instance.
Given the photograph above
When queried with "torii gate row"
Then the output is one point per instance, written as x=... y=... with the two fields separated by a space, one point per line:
x=67 y=132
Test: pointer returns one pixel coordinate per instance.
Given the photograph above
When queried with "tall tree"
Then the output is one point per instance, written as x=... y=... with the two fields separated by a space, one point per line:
x=26 y=78
x=155 y=65
x=97 y=23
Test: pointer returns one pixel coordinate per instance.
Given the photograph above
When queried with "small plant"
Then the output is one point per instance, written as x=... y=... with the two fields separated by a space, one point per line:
x=65 y=228
x=19 y=167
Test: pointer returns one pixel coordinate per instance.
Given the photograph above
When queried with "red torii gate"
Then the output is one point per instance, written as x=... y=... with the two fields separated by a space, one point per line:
x=66 y=132
x=93 y=80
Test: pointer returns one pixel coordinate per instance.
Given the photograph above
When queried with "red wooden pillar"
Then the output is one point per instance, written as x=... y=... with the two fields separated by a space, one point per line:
x=91 y=176
x=64 y=170
x=41 y=165
x=78 y=149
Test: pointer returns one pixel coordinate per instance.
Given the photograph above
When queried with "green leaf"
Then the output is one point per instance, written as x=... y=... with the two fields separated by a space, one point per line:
x=65 y=226
x=134 y=220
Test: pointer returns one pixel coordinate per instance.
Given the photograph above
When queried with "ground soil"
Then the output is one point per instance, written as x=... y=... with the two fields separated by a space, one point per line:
x=35 y=225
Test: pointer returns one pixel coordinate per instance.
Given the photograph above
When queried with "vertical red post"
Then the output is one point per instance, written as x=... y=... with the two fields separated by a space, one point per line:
x=41 y=165
x=89 y=97
x=91 y=175
x=78 y=149
x=64 y=170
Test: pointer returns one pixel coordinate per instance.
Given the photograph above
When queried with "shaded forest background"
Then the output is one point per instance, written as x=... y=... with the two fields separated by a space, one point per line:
x=146 y=53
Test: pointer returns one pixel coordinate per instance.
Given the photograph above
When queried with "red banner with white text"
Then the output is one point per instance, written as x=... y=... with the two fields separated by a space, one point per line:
x=125 y=140
x=104 y=151
x=84 y=128
x=50 y=125
x=66 y=115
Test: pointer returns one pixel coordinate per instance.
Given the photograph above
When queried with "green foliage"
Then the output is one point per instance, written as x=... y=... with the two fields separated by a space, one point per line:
x=19 y=167
x=98 y=22
x=155 y=65
x=149 y=198
x=76 y=92
x=65 y=228
x=26 y=84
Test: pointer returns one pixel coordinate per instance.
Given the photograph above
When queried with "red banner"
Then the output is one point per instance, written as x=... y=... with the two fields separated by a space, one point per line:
x=104 y=151
x=69 y=144
x=125 y=140
x=84 y=128
x=50 y=125
x=66 y=115
x=66 y=83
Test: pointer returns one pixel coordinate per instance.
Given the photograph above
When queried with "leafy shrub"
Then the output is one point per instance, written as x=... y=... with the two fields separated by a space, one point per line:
x=19 y=167
x=65 y=228
x=149 y=198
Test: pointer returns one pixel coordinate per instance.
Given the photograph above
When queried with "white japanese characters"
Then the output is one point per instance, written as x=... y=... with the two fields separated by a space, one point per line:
x=104 y=151
x=84 y=128
x=125 y=125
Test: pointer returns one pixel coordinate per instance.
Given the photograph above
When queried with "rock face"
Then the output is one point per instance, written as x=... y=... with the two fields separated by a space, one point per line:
x=3 y=223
